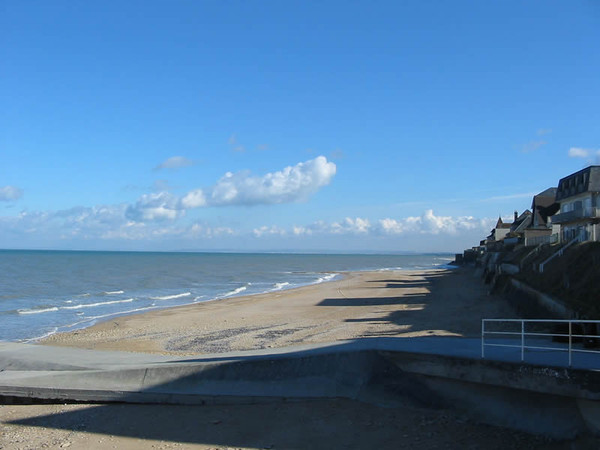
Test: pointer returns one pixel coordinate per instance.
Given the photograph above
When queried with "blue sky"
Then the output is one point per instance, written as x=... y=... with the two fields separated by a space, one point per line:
x=288 y=125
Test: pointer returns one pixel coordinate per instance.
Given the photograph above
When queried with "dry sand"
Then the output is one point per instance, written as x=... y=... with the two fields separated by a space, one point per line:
x=362 y=305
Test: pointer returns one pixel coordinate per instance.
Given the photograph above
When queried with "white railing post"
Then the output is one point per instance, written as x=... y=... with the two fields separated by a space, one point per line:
x=482 y=338
x=570 y=341
x=522 y=340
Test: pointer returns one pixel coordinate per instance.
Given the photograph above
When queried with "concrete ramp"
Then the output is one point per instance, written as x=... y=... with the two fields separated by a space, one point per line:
x=47 y=373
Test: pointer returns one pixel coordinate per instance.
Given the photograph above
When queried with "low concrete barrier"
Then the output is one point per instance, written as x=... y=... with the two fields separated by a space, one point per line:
x=557 y=402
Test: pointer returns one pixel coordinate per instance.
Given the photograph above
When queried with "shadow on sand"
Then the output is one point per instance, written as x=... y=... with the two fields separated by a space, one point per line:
x=451 y=301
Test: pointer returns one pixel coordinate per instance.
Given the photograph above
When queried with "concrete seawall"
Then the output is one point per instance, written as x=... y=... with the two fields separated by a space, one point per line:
x=558 y=402
x=545 y=301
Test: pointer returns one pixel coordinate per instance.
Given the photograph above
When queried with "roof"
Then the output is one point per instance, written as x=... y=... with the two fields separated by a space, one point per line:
x=548 y=193
x=501 y=224
x=586 y=180
x=544 y=205
x=522 y=222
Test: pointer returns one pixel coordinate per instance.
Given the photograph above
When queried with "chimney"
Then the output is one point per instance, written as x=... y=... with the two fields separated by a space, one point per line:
x=516 y=215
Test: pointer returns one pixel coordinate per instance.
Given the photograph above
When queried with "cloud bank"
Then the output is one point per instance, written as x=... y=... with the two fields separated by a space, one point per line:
x=149 y=225
x=160 y=217
x=426 y=224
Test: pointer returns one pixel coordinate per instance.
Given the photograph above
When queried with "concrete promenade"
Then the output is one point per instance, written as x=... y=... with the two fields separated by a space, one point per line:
x=540 y=395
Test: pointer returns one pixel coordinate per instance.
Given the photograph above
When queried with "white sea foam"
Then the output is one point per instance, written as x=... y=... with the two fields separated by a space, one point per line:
x=280 y=286
x=234 y=292
x=118 y=313
x=91 y=320
x=171 y=297
x=325 y=278
x=92 y=305
x=389 y=269
x=37 y=311
x=49 y=333
x=113 y=292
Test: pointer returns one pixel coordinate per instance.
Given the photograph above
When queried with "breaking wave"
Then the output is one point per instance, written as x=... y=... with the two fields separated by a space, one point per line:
x=37 y=310
x=92 y=305
x=171 y=297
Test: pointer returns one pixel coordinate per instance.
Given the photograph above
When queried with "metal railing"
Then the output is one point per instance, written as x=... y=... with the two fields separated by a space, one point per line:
x=522 y=329
x=588 y=212
x=581 y=236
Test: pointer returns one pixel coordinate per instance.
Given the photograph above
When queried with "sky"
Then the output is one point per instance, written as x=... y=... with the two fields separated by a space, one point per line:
x=377 y=126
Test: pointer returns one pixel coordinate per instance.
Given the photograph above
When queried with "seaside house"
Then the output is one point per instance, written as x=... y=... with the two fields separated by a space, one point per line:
x=517 y=228
x=541 y=230
x=495 y=240
x=578 y=195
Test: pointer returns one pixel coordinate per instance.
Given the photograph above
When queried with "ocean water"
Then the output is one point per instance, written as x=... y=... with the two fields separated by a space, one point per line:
x=46 y=292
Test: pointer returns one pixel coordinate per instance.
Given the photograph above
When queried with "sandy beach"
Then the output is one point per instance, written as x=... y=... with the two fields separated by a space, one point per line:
x=360 y=305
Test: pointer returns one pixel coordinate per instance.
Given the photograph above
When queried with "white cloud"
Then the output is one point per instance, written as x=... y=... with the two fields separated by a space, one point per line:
x=429 y=223
x=155 y=207
x=393 y=226
x=533 y=146
x=576 y=152
x=199 y=230
x=175 y=162
x=509 y=196
x=270 y=231
x=294 y=183
x=194 y=199
x=590 y=155
x=353 y=226
x=107 y=223
x=348 y=226
x=300 y=231
x=9 y=193
x=148 y=223
x=161 y=185
x=235 y=145
x=319 y=227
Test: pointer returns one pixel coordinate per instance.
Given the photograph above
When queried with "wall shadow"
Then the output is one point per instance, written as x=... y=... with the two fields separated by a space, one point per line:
x=451 y=301
x=300 y=425
x=371 y=301
x=349 y=370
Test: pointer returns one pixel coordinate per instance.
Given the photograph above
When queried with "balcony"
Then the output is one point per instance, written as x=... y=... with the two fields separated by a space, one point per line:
x=576 y=215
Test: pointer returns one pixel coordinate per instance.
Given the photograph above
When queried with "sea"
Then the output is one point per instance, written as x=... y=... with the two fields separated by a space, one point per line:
x=47 y=292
